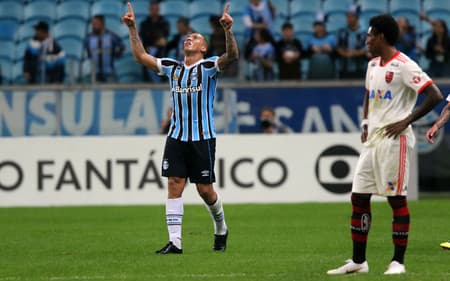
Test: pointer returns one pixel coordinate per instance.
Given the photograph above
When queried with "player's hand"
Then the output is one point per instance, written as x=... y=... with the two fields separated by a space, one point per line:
x=431 y=133
x=129 y=18
x=226 y=20
x=395 y=129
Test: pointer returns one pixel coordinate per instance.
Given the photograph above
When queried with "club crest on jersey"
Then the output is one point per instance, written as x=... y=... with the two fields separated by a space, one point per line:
x=389 y=76
x=416 y=79
x=176 y=74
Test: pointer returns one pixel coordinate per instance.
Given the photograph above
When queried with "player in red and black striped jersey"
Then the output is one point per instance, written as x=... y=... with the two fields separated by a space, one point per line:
x=190 y=146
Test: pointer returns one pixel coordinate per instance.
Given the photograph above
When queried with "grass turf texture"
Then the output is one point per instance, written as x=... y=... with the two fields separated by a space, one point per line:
x=267 y=242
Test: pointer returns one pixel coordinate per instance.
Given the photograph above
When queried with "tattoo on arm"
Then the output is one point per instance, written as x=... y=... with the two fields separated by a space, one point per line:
x=231 y=53
x=139 y=51
x=135 y=43
x=445 y=115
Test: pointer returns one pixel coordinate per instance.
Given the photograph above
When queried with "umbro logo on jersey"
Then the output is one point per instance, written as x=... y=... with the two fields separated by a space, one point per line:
x=205 y=173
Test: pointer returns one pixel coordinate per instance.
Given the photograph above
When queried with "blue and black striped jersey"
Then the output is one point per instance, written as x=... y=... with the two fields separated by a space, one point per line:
x=192 y=89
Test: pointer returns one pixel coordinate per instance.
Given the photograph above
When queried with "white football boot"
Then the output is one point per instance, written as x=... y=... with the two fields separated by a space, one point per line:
x=350 y=267
x=395 y=268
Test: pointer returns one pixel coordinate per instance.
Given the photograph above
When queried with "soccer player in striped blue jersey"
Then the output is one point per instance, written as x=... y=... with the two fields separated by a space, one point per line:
x=191 y=142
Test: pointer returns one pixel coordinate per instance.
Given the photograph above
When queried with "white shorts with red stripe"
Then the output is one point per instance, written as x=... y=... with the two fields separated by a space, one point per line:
x=383 y=168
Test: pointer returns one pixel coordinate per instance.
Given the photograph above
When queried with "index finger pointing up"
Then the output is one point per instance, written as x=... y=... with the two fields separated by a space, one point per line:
x=130 y=9
x=227 y=7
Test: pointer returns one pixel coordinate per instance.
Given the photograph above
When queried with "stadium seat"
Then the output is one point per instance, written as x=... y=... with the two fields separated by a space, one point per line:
x=302 y=36
x=336 y=6
x=73 y=9
x=201 y=24
x=128 y=70
x=399 y=6
x=12 y=10
x=87 y=1
x=309 y=7
x=86 y=71
x=20 y=50
x=281 y=7
x=364 y=17
x=277 y=24
x=17 y=73
x=239 y=39
x=237 y=6
x=176 y=8
x=140 y=8
x=436 y=5
x=303 y=23
x=40 y=10
x=336 y=21
x=8 y=29
x=7 y=49
x=239 y=26
x=6 y=67
x=116 y=26
x=201 y=8
x=74 y=28
x=127 y=53
x=425 y=28
x=25 y=31
x=72 y=47
x=379 y=6
x=107 y=8
x=173 y=25
x=321 y=66
x=72 y=71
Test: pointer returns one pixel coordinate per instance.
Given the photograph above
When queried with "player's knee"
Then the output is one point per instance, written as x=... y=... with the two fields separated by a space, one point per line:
x=397 y=202
x=176 y=186
x=206 y=192
x=360 y=199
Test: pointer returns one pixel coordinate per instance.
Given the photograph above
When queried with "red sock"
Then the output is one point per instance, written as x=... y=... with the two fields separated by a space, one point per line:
x=360 y=225
x=400 y=226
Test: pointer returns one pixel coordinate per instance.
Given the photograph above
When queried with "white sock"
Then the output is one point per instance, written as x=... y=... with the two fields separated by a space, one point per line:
x=218 y=216
x=174 y=218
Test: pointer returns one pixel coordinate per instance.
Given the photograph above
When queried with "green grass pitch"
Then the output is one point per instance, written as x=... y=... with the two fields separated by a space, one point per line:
x=266 y=242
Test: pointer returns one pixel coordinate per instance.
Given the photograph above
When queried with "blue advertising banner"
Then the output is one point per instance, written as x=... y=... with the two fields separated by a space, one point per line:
x=308 y=110
x=304 y=110
x=96 y=112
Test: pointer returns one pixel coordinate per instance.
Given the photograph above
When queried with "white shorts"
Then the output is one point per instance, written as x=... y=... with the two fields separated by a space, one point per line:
x=383 y=168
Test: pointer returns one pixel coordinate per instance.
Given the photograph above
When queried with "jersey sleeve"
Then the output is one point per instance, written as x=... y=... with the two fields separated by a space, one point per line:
x=414 y=77
x=165 y=66
x=448 y=98
x=212 y=65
